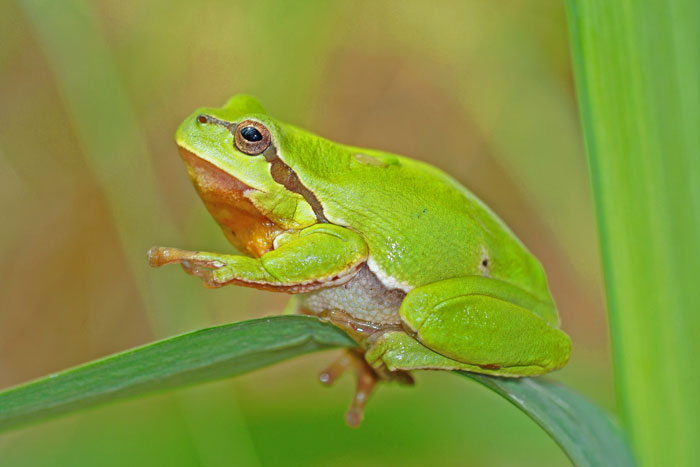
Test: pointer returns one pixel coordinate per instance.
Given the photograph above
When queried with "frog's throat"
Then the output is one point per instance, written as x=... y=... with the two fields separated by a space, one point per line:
x=224 y=197
x=280 y=171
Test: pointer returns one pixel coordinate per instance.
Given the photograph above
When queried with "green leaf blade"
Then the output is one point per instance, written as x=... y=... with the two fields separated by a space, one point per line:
x=583 y=431
x=196 y=357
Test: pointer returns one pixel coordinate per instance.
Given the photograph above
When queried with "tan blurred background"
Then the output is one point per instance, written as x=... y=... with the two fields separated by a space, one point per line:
x=90 y=179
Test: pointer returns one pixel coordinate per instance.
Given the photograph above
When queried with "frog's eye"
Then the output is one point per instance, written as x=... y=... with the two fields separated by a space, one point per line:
x=251 y=137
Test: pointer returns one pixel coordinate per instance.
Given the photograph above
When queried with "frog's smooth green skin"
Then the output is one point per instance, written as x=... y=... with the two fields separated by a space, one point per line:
x=396 y=252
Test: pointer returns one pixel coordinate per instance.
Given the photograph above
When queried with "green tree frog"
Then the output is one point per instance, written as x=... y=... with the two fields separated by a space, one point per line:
x=392 y=250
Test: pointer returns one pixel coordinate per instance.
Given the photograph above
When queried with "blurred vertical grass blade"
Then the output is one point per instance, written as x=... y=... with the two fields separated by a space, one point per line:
x=637 y=69
x=582 y=430
x=107 y=127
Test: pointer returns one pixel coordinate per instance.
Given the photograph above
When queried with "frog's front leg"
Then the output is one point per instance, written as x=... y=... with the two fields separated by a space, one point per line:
x=476 y=324
x=319 y=256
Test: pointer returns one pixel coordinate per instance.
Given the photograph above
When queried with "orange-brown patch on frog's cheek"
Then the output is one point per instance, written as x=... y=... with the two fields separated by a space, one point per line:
x=223 y=195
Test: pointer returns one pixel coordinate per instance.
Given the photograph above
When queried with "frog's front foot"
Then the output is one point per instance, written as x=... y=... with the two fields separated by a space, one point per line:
x=367 y=378
x=195 y=263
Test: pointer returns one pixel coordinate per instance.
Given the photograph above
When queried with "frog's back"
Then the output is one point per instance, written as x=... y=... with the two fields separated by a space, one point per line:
x=422 y=226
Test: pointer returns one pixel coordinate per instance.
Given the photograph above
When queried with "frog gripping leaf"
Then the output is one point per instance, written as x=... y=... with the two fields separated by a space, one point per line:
x=398 y=254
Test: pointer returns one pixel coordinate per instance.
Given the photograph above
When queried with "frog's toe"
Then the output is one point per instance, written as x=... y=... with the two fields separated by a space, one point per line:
x=336 y=369
x=210 y=277
x=366 y=381
x=160 y=255
x=367 y=378
x=190 y=268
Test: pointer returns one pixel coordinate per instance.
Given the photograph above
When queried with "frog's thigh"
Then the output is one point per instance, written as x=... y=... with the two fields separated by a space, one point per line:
x=484 y=329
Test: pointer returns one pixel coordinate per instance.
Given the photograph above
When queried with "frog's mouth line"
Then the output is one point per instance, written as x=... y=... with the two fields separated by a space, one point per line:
x=205 y=170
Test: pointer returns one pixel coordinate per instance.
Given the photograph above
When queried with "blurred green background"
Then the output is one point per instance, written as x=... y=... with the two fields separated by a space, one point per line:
x=90 y=96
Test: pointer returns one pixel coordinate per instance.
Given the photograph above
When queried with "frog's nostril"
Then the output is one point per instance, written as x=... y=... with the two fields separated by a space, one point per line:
x=211 y=120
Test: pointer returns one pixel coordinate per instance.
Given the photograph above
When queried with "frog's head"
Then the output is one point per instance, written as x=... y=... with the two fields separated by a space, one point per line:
x=232 y=158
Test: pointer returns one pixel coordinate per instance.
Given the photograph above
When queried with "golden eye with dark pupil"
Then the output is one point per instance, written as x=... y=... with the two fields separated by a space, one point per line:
x=251 y=137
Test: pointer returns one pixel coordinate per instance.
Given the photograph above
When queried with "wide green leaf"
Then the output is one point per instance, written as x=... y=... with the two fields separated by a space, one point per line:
x=582 y=430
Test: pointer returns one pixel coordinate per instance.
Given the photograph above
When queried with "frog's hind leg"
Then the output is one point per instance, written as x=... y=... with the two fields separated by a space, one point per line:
x=483 y=323
x=367 y=377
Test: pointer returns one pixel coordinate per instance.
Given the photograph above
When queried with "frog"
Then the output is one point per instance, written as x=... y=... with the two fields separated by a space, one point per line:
x=394 y=251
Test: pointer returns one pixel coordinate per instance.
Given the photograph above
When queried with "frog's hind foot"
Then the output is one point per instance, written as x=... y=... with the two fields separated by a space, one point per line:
x=367 y=378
